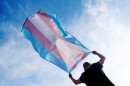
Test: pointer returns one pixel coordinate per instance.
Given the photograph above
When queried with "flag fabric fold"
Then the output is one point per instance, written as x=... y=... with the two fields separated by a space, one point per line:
x=52 y=43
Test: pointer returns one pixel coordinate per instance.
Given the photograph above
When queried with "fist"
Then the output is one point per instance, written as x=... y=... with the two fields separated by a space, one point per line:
x=94 y=52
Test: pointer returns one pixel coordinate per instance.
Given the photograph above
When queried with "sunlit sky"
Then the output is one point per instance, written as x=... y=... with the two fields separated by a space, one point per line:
x=101 y=25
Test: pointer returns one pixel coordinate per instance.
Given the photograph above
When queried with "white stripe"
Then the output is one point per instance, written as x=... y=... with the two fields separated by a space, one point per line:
x=43 y=28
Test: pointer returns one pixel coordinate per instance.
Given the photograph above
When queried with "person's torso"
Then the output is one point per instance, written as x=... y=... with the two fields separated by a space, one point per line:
x=96 y=77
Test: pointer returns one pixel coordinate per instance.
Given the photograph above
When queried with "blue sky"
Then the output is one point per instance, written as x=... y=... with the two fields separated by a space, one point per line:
x=101 y=25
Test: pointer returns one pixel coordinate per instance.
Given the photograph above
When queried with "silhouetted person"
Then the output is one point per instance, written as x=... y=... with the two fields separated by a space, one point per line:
x=93 y=74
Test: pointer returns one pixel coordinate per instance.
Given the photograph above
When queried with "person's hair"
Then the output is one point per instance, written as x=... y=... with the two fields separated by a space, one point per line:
x=85 y=64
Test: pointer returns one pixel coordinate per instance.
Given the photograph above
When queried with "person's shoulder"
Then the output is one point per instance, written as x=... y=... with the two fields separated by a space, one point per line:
x=97 y=64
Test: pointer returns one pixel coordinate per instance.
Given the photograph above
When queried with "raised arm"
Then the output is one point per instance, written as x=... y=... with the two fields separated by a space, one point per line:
x=102 y=58
x=74 y=81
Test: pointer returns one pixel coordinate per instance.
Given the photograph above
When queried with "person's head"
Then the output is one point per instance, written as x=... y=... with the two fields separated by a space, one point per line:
x=86 y=65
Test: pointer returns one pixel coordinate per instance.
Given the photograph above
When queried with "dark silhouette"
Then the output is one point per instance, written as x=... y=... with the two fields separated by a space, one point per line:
x=93 y=74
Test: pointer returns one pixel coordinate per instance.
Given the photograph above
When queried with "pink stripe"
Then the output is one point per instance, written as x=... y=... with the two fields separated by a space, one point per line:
x=41 y=38
x=84 y=56
x=49 y=22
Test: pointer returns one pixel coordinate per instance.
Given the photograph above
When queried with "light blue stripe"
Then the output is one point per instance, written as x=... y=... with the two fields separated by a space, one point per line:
x=44 y=53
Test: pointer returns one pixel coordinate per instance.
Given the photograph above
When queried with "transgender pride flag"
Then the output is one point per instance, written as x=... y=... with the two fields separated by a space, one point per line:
x=52 y=42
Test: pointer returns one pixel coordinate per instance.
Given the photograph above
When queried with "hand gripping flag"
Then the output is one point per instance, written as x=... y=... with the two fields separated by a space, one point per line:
x=52 y=42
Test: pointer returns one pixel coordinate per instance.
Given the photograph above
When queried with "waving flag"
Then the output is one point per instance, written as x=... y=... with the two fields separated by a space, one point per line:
x=52 y=42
